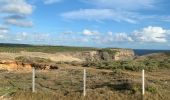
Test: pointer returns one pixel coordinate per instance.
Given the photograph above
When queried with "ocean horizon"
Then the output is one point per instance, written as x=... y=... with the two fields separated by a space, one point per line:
x=140 y=52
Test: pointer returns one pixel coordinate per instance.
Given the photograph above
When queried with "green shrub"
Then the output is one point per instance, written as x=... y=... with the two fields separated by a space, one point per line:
x=15 y=48
x=165 y=63
x=26 y=59
x=151 y=89
x=132 y=65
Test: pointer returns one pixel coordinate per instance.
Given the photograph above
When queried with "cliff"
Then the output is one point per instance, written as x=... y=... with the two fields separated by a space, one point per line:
x=13 y=65
x=108 y=55
x=124 y=54
x=26 y=65
x=45 y=61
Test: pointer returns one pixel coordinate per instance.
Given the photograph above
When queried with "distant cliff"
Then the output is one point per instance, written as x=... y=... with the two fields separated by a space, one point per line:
x=108 y=54
x=26 y=60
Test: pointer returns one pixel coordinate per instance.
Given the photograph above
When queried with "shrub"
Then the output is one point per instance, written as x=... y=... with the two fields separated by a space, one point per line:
x=107 y=54
x=3 y=70
x=165 y=63
x=151 y=89
x=132 y=65
x=26 y=59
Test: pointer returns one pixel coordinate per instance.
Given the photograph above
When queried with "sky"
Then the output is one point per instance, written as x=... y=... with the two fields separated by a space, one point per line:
x=137 y=24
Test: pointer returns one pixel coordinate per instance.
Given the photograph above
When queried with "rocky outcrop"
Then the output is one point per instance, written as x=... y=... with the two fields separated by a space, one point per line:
x=27 y=62
x=13 y=65
x=20 y=66
x=124 y=54
x=109 y=55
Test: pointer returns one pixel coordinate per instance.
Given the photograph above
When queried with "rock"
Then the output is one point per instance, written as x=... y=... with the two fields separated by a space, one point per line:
x=124 y=54
x=20 y=66
x=110 y=55
x=53 y=67
x=13 y=66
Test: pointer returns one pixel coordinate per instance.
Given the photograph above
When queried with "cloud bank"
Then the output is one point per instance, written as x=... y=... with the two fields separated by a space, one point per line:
x=15 y=12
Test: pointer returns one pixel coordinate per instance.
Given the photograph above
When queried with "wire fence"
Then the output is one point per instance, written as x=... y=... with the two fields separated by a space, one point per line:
x=66 y=81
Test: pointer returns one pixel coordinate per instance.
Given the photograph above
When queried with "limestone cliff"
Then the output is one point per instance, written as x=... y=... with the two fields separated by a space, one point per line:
x=108 y=55
x=45 y=61
x=10 y=65
x=13 y=65
x=124 y=54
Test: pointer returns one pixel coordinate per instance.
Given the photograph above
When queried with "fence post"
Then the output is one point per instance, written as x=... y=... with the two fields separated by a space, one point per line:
x=33 y=79
x=84 y=82
x=143 y=83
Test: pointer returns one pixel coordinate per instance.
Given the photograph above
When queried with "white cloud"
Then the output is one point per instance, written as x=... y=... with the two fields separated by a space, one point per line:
x=15 y=12
x=20 y=23
x=122 y=37
x=110 y=33
x=89 y=32
x=85 y=40
x=15 y=6
x=32 y=37
x=3 y=32
x=42 y=36
x=151 y=34
x=165 y=18
x=123 y=4
x=130 y=11
x=68 y=32
x=147 y=34
x=17 y=17
x=51 y=1
x=110 y=38
x=101 y=14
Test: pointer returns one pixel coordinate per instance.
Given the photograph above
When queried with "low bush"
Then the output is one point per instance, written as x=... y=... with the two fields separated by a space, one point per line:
x=151 y=89
x=132 y=65
x=26 y=59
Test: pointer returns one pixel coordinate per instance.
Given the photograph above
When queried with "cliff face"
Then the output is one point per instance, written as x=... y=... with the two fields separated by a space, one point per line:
x=42 y=64
x=124 y=54
x=107 y=55
x=21 y=66
x=13 y=66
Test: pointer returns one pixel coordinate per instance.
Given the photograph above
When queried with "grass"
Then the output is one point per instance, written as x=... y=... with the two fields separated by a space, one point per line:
x=15 y=48
x=25 y=59
x=149 y=63
x=106 y=80
x=67 y=84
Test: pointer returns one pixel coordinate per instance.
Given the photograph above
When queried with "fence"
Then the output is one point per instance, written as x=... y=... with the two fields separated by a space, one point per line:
x=82 y=81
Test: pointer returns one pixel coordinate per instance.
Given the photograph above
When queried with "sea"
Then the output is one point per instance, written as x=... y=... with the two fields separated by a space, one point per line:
x=140 y=52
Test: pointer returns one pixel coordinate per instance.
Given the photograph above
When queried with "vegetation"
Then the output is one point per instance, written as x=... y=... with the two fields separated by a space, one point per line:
x=67 y=84
x=152 y=89
x=25 y=59
x=106 y=54
x=38 y=63
x=14 y=48
x=149 y=63
x=122 y=80
x=111 y=52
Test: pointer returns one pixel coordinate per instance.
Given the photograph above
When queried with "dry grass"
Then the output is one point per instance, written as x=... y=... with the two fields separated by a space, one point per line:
x=58 y=56
x=66 y=84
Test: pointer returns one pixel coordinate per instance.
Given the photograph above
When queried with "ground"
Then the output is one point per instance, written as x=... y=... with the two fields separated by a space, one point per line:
x=66 y=83
x=54 y=57
x=114 y=80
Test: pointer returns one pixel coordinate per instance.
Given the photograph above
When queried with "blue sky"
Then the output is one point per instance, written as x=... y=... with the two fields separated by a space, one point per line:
x=142 y=24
